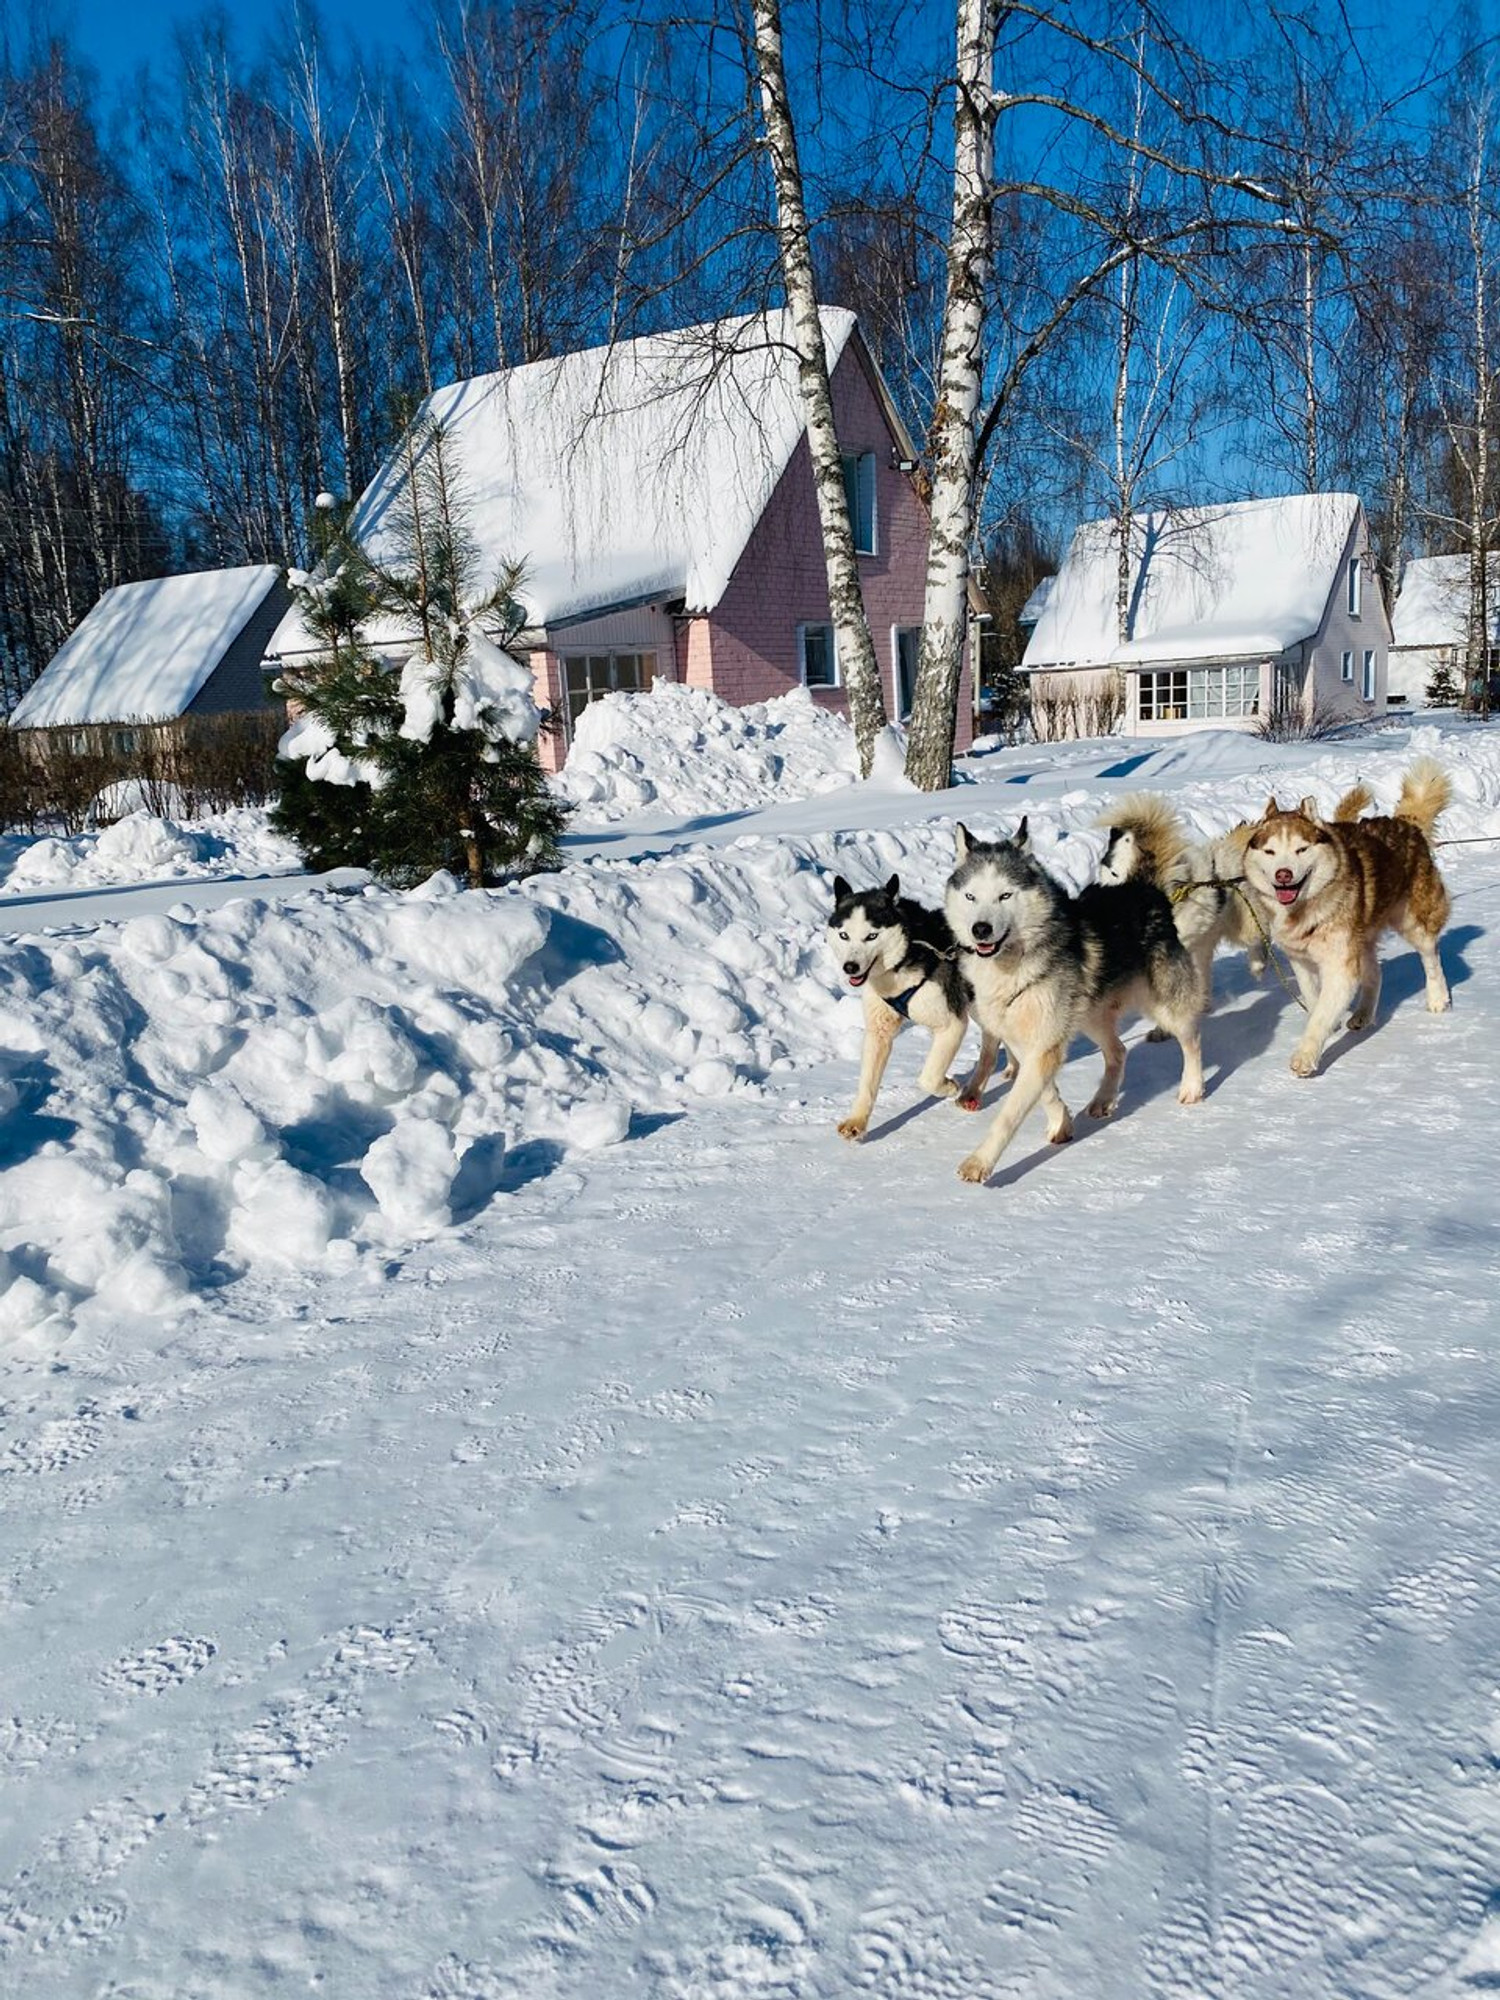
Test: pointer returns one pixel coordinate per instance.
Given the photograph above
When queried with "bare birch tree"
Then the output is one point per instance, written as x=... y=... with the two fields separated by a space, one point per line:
x=856 y=651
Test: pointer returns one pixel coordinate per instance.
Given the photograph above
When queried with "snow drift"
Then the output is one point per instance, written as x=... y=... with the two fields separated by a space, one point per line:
x=683 y=750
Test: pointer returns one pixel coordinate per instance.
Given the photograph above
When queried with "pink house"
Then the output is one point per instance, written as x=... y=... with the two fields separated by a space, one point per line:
x=660 y=495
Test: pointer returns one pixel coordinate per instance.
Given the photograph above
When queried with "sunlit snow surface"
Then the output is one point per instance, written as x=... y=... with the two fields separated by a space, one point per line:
x=498 y=1500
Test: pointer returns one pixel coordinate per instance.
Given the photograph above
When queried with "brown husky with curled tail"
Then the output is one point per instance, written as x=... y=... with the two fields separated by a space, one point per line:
x=1329 y=888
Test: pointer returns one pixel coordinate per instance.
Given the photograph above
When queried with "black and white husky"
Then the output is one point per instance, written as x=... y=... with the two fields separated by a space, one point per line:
x=903 y=960
x=1044 y=966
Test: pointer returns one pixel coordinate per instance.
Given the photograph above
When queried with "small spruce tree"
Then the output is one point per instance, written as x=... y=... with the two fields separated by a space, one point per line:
x=1442 y=687
x=414 y=743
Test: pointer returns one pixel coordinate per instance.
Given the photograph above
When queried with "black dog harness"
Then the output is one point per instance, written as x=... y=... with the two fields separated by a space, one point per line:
x=900 y=1003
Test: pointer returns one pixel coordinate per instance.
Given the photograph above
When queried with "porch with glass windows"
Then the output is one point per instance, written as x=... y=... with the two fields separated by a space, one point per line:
x=1164 y=699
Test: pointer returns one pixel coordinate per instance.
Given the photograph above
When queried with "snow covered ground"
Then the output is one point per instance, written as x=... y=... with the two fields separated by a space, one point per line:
x=141 y=848
x=499 y=1501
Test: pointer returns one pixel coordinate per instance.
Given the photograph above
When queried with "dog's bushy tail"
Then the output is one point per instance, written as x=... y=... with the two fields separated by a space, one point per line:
x=1358 y=799
x=1425 y=791
x=1159 y=833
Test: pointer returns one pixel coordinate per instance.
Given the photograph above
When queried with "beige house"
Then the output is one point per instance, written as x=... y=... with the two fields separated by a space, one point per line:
x=1234 y=613
x=1429 y=625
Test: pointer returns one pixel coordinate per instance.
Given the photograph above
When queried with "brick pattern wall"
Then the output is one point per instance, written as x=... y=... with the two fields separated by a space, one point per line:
x=780 y=581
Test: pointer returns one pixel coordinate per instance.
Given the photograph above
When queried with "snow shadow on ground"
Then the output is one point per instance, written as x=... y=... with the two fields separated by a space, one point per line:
x=1403 y=986
x=682 y=831
x=25 y=1129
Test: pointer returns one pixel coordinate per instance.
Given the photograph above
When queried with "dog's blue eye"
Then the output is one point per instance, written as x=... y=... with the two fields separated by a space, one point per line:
x=871 y=937
x=968 y=895
x=1005 y=898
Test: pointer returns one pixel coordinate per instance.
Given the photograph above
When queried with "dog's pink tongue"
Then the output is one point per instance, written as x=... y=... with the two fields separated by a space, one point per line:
x=1289 y=895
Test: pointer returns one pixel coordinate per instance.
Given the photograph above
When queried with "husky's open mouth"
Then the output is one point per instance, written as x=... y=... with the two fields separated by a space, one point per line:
x=858 y=978
x=1288 y=892
x=987 y=948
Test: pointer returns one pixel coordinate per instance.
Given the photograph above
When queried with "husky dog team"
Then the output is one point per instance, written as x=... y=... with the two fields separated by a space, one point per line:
x=1034 y=966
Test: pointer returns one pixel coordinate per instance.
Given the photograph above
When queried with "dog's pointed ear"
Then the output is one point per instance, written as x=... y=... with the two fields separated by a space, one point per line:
x=1309 y=808
x=963 y=840
x=1272 y=810
x=893 y=887
x=1021 y=838
x=841 y=889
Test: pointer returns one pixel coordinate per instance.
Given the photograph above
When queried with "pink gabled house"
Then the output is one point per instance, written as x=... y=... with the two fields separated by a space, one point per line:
x=659 y=493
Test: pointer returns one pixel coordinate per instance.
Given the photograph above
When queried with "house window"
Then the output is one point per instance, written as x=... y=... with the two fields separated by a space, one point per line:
x=1164 y=696
x=1199 y=694
x=907 y=640
x=859 y=489
x=1369 y=673
x=587 y=676
x=1354 y=586
x=817 y=654
x=1346 y=666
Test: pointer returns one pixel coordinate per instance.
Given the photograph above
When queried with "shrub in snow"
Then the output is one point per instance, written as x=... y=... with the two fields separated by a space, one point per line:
x=1442 y=689
x=421 y=755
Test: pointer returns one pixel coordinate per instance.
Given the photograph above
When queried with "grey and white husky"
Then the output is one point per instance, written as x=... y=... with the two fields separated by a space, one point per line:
x=1044 y=966
x=902 y=958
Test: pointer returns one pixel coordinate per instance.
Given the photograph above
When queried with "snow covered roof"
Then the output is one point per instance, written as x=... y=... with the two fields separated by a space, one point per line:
x=619 y=475
x=1433 y=607
x=1252 y=576
x=146 y=649
x=1036 y=604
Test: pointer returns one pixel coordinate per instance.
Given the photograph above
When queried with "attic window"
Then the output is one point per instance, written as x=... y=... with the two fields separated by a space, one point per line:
x=1355 y=582
x=859 y=489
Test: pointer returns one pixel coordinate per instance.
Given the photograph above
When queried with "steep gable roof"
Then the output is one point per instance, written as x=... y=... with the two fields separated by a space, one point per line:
x=1252 y=576
x=146 y=649
x=1433 y=606
x=623 y=474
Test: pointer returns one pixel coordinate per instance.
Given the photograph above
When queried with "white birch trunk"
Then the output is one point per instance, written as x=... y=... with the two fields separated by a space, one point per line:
x=1476 y=649
x=858 y=667
x=951 y=439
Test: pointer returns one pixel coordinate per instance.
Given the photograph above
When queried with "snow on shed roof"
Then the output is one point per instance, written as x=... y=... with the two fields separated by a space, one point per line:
x=1251 y=576
x=1036 y=604
x=620 y=474
x=146 y=649
x=1433 y=607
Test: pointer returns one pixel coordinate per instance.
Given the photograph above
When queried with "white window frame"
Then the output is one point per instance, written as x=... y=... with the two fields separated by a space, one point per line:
x=859 y=490
x=588 y=656
x=817 y=625
x=1369 y=680
x=1198 y=694
x=1356 y=586
x=1346 y=665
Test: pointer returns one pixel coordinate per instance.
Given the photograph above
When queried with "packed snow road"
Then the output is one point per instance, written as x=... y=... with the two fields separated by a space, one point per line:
x=755 y=1565
x=731 y=1563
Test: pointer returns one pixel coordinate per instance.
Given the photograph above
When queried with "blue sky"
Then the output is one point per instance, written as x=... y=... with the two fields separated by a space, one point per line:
x=117 y=36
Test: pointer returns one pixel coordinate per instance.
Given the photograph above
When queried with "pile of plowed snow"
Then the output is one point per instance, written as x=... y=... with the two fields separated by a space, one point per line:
x=143 y=848
x=683 y=750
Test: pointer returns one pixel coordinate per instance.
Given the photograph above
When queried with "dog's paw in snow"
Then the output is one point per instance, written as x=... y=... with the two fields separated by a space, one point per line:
x=974 y=1170
x=1190 y=1093
x=1101 y=1107
x=949 y=1087
x=854 y=1128
x=1305 y=1062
